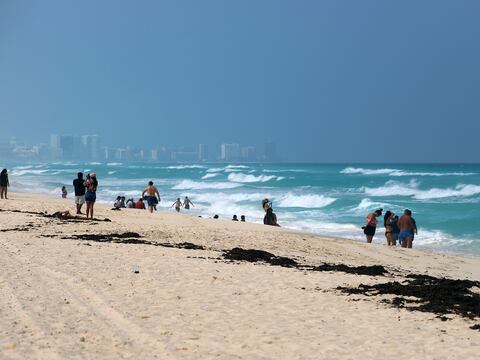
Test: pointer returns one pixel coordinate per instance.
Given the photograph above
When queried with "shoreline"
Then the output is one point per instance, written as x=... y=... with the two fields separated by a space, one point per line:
x=184 y=287
x=304 y=232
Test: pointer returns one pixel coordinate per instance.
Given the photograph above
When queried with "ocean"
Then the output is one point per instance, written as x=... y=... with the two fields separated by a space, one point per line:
x=324 y=199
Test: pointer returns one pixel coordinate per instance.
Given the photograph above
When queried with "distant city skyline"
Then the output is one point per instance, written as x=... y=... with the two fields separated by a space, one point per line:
x=89 y=148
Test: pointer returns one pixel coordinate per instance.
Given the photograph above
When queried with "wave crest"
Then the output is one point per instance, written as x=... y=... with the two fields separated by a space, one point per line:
x=201 y=185
x=393 y=188
x=312 y=201
x=397 y=172
x=249 y=178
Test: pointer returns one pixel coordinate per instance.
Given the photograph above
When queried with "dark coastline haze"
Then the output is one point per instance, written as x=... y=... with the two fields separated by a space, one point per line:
x=328 y=81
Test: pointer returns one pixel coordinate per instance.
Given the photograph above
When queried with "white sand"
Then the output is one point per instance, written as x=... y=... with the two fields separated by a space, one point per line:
x=70 y=299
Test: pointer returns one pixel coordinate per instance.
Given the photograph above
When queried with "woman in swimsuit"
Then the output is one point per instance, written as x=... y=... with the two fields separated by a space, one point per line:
x=91 y=184
x=177 y=204
x=371 y=226
x=391 y=228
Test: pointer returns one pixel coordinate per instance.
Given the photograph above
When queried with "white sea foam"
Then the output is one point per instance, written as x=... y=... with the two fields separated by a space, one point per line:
x=182 y=167
x=249 y=178
x=236 y=167
x=214 y=170
x=30 y=171
x=209 y=176
x=200 y=185
x=367 y=204
x=304 y=201
x=111 y=172
x=114 y=164
x=392 y=188
x=397 y=172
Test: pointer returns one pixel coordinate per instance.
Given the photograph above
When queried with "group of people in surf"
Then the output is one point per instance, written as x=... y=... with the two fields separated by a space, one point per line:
x=151 y=196
x=403 y=228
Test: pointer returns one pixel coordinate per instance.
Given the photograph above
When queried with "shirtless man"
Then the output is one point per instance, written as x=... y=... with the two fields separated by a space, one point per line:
x=406 y=226
x=153 y=196
x=187 y=202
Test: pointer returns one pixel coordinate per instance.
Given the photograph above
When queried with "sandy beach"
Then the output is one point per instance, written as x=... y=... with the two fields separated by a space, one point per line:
x=87 y=290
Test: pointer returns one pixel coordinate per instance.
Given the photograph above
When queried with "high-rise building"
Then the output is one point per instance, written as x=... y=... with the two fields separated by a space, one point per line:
x=67 y=147
x=248 y=153
x=202 y=152
x=90 y=148
x=229 y=152
x=154 y=155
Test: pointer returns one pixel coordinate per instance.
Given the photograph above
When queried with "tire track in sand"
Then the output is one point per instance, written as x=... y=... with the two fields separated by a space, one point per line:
x=81 y=309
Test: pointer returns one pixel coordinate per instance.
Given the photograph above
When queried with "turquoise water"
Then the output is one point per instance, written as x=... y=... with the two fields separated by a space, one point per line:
x=324 y=199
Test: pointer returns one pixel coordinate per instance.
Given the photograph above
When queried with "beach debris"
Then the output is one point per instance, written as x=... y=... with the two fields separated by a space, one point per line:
x=475 y=327
x=131 y=238
x=106 y=237
x=372 y=270
x=440 y=296
x=253 y=255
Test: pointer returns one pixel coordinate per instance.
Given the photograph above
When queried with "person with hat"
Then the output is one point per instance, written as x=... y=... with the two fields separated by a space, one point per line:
x=91 y=184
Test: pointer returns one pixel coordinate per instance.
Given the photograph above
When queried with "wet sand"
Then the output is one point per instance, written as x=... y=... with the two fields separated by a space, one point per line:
x=169 y=285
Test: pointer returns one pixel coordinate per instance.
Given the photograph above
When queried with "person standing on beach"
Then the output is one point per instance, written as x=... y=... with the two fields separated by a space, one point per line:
x=152 y=193
x=187 y=202
x=91 y=184
x=390 y=221
x=371 y=226
x=4 y=184
x=407 y=227
x=79 y=187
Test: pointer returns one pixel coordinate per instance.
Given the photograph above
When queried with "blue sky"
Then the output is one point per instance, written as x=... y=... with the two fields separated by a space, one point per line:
x=380 y=81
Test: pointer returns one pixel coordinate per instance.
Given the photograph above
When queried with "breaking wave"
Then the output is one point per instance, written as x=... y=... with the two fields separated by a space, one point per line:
x=305 y=201
x=249 y=178
x=396 y=172
x=201 y=185
x=392 y=188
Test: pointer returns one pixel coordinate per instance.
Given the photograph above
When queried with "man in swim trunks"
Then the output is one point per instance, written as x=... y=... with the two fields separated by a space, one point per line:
x=406 y=226
x=187 y=202
x=152 y=193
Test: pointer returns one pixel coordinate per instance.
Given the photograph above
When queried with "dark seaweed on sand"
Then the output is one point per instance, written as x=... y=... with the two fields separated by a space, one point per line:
x=132 y=238
x=425 y=293
x=253 y=255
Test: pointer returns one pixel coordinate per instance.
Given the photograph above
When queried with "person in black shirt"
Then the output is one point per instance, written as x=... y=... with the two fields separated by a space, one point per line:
x=79 y=186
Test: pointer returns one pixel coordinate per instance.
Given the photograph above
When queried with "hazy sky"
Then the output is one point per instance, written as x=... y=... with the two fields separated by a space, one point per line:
x=329 y=81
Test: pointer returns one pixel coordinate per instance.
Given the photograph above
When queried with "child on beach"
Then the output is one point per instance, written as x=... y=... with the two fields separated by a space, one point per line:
x=64 y=192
